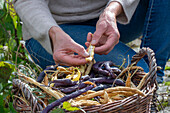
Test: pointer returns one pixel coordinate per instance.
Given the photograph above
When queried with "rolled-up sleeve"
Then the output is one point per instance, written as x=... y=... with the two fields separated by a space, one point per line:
x=129 y=7
x=37 y=19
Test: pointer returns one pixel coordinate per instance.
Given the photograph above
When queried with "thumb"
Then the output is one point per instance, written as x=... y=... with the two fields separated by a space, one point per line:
x=100 y=29
x=79 y=49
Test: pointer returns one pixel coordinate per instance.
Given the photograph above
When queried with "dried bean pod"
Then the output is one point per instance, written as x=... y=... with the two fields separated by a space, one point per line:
x=42 y=74
x=106 y=68
x=73 y=88
x=104 y=80
x=101 y=80
x=85 y=103
x=107 y=65
x=116 y=70
x=92 y=74
x=64 y=82
x=119 y=82
x=65 y=98
x=109 y=90
x=102 y=87
x=85 y=77
x=97 y=68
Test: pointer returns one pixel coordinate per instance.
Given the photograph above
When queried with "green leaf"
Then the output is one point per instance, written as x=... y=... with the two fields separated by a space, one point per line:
x=51 y=100
x=1 y=87
x=12 y=110
x=167 y=68
x=2 y=13
x=58 y=110
x=2 y=104
x=6 y=86
x=67 y=106
x=19 y=31
x=5 y=71
x=167 y=83
x=9 y=26
x=12 y=44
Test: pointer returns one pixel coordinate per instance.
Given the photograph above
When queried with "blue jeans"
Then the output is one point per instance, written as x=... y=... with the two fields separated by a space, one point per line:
x=151 y=20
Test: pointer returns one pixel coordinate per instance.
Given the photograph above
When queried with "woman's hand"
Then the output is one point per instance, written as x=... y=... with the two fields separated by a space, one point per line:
x=106 y=35
x=64 y=48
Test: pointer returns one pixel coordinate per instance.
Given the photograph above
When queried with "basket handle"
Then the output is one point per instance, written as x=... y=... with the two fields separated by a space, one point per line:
x=151 y=76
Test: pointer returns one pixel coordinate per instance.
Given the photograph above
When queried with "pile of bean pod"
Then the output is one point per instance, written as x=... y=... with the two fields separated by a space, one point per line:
x=102 y=74
x=104 y=83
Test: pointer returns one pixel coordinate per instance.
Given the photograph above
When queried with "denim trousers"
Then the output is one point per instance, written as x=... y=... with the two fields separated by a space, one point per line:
x=151 y=20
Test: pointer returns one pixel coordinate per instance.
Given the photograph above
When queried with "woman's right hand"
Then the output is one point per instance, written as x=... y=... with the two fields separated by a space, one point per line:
x=64 y=48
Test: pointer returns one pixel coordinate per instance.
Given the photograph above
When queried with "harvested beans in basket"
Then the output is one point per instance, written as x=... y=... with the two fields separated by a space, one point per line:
x=94 y=87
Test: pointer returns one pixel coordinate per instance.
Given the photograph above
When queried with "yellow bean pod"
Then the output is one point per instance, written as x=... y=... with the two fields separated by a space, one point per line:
x=91 y=53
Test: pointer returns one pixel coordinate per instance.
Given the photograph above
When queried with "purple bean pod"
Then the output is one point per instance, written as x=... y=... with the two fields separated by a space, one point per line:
x=68 y=90
x=102 y=87
x=107 y=65
x=92 y=74
x=101 y=80
x=119 y=82
x=64 y=82
x=116 y=70
x=85 y=77
x=106 y=80
x=65 y=98
x=42 y=74
x=97 y=68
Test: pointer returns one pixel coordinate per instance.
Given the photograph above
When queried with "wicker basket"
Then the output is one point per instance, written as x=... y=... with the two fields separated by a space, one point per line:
x=135 y=103
x=132 y=104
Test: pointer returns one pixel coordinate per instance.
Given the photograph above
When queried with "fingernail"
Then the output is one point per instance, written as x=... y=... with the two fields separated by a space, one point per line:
x=86 y=54
x=93 y=41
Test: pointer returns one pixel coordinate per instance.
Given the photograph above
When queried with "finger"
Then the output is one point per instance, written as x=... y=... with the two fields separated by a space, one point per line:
x=77 y=48
x=70 y=60
x=107 y=52
x=100 y=29
x=60 y=59
x=110 y=43
x=87 y=44
x=56 y=63
x=89 y=37
x=102 y=41
x=64 y=64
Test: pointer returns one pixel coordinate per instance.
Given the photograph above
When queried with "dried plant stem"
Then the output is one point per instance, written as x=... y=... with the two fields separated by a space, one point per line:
x=142 y=81
x=124 y=61
x=48 y=90
x=109 y=90
x=32 y=59
x=24 y=100
x=31 y=69
x=16 y=56
x=125 y=70
x=131 y=68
